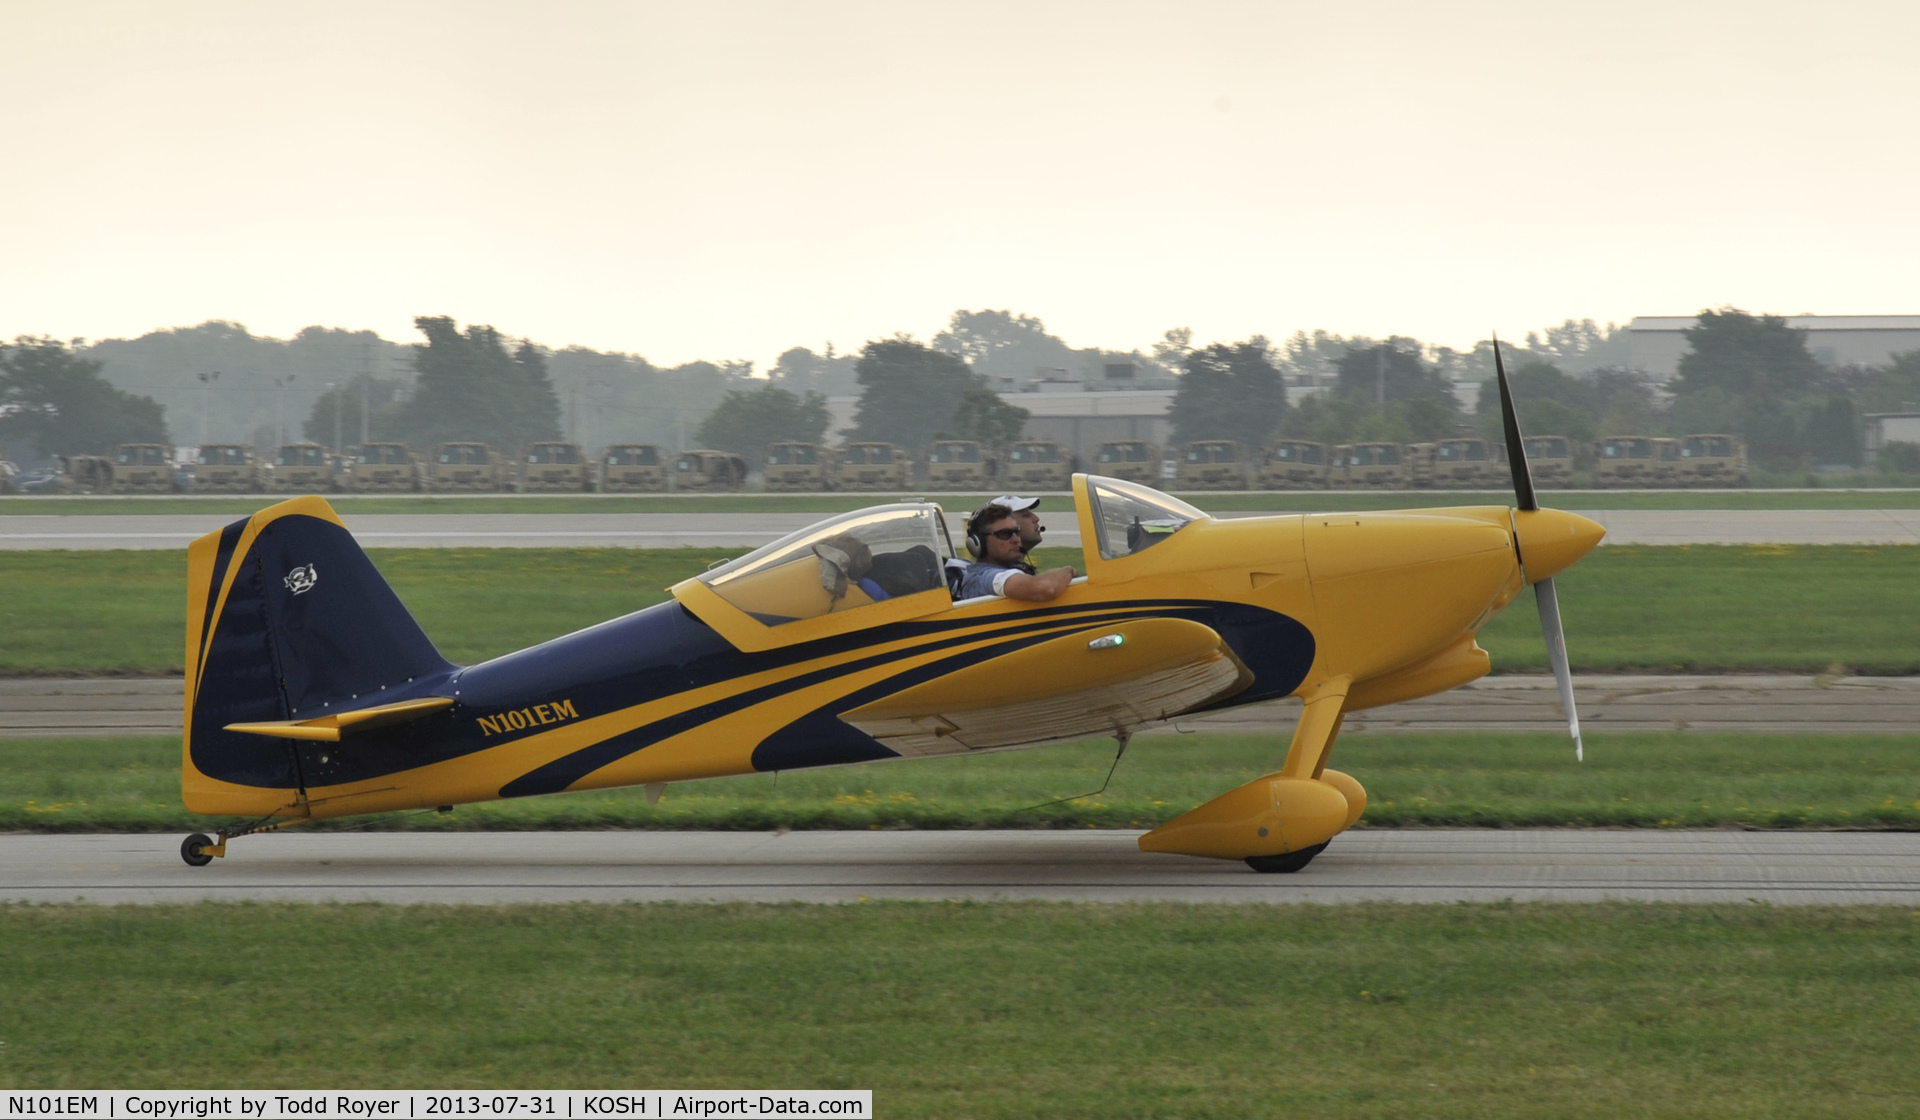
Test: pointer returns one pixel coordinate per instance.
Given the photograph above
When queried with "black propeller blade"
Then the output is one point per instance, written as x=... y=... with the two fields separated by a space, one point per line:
x=1544 y=595
x=1516 y=450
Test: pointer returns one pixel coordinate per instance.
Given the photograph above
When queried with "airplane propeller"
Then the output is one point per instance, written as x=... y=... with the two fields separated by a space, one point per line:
x=1544 y=595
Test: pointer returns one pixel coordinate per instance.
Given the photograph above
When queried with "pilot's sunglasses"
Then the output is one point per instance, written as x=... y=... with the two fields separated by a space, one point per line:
x=1005 y=534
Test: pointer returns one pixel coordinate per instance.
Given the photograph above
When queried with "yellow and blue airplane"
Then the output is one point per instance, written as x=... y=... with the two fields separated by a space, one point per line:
x=311 y=693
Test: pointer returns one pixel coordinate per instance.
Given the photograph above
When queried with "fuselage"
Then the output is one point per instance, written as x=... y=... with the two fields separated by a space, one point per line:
x=691 y=688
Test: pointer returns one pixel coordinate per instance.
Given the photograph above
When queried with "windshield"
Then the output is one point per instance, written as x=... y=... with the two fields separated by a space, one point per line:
x=1456 y=451
x=1123 y=453
x=853 y=560
x=1546 y=447
x=1130 y=517
x=956 y=453
x=643 y=456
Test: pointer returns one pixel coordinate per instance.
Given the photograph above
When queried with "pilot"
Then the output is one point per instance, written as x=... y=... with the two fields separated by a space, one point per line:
x=1026 y=511
x=1030 y=531
x=993 y=535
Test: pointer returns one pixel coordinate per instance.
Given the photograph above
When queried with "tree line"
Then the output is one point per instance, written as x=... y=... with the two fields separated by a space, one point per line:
x=1750 y=375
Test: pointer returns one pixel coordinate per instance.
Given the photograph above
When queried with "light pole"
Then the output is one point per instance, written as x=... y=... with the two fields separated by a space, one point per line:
x=333 y=388
x=279 y=412
x=206 y=396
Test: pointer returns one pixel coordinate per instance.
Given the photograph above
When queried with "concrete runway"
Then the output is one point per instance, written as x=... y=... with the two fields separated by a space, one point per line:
x=1885 y=705
x=750 y=530
x=1780 y=868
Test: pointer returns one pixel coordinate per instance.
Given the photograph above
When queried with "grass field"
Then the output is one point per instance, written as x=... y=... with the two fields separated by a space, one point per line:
x=1286 y=501
x=1632 y=780
x=1692 y=608
x=1011 y=1010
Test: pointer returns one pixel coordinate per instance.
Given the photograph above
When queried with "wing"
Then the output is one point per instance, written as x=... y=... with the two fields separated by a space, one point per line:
x=1103 y=681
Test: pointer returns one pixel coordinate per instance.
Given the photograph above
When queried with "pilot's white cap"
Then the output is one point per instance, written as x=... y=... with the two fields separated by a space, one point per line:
x=1016 y=503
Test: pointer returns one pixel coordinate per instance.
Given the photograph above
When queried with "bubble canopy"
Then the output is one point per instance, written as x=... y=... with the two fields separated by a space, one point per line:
x=843 y=563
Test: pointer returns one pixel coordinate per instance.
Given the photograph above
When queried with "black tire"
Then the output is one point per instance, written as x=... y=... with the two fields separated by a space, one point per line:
x=191 y=849
x=1283 y=864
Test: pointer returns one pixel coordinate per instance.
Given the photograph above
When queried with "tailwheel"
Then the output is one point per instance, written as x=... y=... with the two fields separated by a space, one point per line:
x=1284 y=864
x=194 y=849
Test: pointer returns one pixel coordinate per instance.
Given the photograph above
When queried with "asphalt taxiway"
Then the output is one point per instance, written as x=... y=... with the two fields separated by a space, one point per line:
x=1404 y=865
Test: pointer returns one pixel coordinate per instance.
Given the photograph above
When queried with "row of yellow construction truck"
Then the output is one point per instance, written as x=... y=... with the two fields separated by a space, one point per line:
x=391 y=468
x=1708 y=460
x=1617 y=462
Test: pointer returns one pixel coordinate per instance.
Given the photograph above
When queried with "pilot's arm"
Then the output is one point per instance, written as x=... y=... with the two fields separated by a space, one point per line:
x=1041 y=588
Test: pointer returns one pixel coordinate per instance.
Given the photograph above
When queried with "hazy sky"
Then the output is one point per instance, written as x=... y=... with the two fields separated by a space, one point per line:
x=726 y=180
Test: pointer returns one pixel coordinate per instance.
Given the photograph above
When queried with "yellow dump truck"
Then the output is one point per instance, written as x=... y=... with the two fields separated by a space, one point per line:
x=1459 y=464
x=1371 y=466
x=706 y=469
x=142 y=468
x=792 y=465
x=959 y=464
x=302 y=468
x=555 y=467
x=1713 y=460
x=1130 y=459
x=628 y=467
x=1626 y=462
x=1212 y=464
x=873 y=466
x=384 y=468
x=1038 y=465
x=227 y=468
x=469 y=466
x=1549 y=460
x=1293 y=464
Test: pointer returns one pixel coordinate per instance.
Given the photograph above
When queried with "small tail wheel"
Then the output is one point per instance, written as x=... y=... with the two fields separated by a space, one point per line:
x=1284 y=864
x=192 y=849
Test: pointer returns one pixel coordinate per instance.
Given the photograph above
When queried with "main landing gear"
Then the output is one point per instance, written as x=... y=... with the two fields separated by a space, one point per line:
x=1284 y=864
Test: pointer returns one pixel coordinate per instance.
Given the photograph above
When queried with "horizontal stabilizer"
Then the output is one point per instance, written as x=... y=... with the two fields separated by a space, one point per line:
x=330 y=728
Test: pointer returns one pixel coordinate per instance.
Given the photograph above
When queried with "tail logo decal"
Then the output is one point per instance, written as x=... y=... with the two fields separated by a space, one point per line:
x=301 y=579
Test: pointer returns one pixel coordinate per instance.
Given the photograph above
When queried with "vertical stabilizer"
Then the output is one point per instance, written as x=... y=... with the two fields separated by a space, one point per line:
x=286 y=619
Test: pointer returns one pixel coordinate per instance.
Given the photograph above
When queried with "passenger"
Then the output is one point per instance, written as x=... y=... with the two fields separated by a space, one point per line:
x=993 y=536
x=1027 y=512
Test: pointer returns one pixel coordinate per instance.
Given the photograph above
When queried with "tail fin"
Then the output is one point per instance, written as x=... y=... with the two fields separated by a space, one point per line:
x=286 y=619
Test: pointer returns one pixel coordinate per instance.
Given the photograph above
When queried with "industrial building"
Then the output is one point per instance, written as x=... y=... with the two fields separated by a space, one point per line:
x=1655 y=343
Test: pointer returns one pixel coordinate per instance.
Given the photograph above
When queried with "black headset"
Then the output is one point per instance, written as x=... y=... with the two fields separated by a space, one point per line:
x=976 y=544
x=976 y=539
